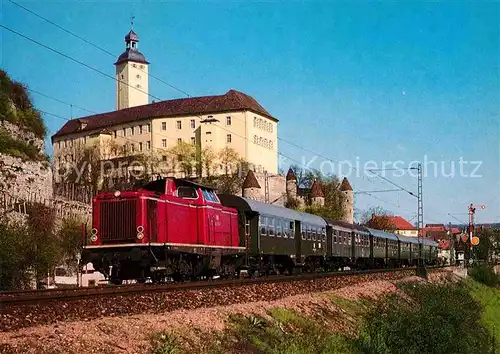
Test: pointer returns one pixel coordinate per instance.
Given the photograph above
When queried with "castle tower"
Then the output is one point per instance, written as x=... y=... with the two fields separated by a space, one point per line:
x=317 y=195
x=251 y=187
x=131 y=75
x=347 y=200
x=291 y=185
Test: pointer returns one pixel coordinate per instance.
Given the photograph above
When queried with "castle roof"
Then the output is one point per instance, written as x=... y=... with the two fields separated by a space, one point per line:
x=345 y=185
x=290 y=175
x=230 y=101
x=250 y=181
x=316 y=190
x=131 y=36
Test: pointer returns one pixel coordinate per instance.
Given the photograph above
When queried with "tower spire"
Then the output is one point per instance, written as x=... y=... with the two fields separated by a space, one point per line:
x=132 y=22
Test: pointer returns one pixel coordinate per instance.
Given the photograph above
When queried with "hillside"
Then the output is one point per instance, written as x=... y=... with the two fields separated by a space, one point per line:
x=22 y=129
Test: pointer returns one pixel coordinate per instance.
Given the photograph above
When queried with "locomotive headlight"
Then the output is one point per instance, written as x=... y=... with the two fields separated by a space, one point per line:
x=94 y=231
x=140 y=229
x=140 y=235
x=117 y=194
x=93 y=238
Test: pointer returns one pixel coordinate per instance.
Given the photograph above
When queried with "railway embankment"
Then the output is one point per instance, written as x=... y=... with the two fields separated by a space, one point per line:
x=346 y=318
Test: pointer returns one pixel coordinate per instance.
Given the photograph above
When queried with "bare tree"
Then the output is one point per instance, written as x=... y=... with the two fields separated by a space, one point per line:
x=377 y=218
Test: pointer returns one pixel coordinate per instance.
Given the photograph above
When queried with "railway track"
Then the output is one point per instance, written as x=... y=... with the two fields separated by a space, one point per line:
x=16 y=298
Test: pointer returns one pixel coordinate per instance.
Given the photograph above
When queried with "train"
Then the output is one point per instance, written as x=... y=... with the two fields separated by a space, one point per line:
x=177 y=229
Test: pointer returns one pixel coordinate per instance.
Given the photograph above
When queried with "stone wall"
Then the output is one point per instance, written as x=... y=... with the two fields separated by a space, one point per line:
x=28 y=182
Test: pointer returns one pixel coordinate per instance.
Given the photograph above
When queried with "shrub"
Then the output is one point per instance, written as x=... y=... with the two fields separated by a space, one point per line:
x=426 y=319
x=484 y=274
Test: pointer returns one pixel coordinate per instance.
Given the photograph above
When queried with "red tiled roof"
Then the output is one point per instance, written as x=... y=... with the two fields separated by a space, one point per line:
x=345 y=185
x=231 y=101
x=400 y=223
x=455 y=230
x=316 y=190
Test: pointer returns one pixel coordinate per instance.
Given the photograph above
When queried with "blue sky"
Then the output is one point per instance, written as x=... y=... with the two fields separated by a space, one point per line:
x=353 y=80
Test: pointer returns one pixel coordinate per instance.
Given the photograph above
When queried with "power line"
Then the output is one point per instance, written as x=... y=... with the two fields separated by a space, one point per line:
x=94 y=45
x=394 y=184
x=60 y=101
x=74 y=60
x=166 y=83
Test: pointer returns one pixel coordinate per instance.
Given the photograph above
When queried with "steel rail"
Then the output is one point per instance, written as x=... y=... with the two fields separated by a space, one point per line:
x=82 y=293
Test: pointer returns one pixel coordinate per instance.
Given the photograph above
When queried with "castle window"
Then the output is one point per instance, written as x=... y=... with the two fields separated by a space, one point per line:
x=140 y=129
x=179 y=140
x=164 y=158
x=138 y=76
x=148 y=145
x=132 y=131
x=140 y=146
x=132 y=147
x=138 y=86
x=65 y=143
x=124 y=131
x=115 y=133
x=141 y=66
x=163 y=125
x=254 y=121
x=121 y=76
x=271 y=144
x=164 y=143
x=179 y=124
x=134 y=65
x=149 y=128
x=193 y=124
x=228 y=120
x=193 y=140
x=228 y=138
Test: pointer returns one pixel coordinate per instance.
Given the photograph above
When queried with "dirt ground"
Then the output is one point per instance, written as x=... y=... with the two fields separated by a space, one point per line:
x=131 y=334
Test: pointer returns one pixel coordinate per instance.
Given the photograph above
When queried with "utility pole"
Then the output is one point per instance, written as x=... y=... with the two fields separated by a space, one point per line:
x=266 y=187
x=452 y=244
x=420 y=211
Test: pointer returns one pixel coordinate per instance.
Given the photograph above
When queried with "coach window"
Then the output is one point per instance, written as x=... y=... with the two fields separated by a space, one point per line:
x=308 y=232
x=277 y=223
x=314 y=233
x=334 y=236
x=263 y=221
x=284 y=224
x=303 y=231
x=291 y=228
x=323 y=233
x=271 y=226
x=187 y=192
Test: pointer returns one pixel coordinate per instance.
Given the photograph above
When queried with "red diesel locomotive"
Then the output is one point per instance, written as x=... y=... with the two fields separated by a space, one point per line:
x=168 y=228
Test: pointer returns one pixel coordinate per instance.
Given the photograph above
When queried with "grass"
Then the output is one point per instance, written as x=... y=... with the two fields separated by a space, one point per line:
x=164 y=343
x=428 y=318
x=490 y=301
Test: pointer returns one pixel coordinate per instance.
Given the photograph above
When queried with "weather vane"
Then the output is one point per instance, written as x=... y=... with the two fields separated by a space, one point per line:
x=132 y=22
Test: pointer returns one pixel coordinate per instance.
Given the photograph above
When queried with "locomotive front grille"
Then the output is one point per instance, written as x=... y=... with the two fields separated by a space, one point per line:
x=117 y=221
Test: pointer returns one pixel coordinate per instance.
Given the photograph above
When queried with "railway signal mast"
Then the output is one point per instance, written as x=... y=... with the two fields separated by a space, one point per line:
x=474 y=240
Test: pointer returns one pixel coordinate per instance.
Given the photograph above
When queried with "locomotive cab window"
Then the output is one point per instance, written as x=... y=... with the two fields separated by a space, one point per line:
x=187 y=192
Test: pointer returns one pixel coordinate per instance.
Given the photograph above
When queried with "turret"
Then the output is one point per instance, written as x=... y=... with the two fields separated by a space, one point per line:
x=291 y=185
x=317 y=195
x=347 y=200
x=251 y=187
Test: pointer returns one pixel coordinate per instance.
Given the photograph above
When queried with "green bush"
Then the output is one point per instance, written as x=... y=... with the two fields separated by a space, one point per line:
x=426 y=319
x=23 y=114
x=484 y=274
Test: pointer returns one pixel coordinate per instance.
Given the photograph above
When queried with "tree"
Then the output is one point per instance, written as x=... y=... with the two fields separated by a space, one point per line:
x=330 y=186
x=377 y=218
x=71 y=241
